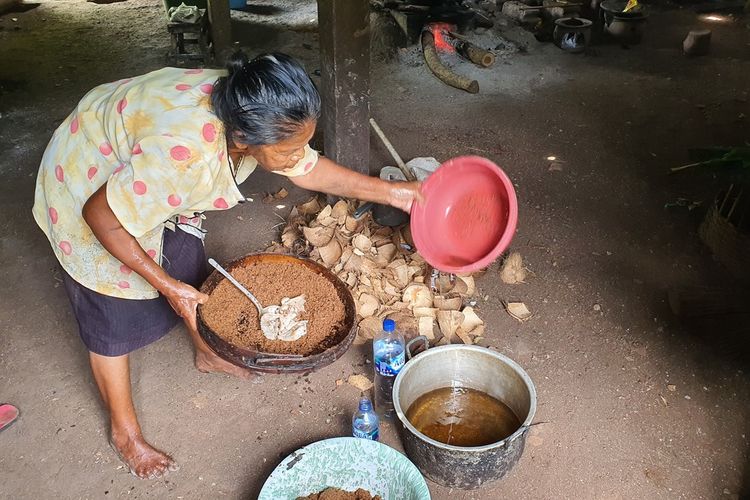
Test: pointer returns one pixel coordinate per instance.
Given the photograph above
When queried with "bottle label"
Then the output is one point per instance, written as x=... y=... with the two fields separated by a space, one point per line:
x=373 y=435
x=390 y=368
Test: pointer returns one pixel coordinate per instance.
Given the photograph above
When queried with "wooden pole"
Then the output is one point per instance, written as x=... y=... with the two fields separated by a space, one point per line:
x=344 y=27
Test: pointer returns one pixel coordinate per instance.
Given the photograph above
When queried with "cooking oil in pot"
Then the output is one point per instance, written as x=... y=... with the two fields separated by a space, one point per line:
x=461 y=416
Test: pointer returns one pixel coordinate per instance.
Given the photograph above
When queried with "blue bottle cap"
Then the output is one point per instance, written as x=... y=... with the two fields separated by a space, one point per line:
x=389 y=325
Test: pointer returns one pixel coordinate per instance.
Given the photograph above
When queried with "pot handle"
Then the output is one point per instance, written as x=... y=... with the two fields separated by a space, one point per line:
x=419 y=339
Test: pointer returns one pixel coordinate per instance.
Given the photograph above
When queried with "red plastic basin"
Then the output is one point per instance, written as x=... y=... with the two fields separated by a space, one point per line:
x=469 y=215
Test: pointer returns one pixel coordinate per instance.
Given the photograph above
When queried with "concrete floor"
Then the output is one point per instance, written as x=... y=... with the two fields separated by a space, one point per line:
x=595 y=233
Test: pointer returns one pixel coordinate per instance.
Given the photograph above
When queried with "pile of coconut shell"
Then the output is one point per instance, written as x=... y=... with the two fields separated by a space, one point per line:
x=387 y=277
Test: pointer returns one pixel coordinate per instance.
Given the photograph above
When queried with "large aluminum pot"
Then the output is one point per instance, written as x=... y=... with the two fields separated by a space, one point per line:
x=472 y=367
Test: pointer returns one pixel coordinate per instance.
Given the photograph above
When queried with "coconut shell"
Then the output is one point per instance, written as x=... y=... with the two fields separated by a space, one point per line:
x=369 y=327
x=406 y=324
x=417 y=295
x=339 y=211
x=318 y=236
x=464 y=286
x=400 y=272
x=325 y=213
x=449 y=322
x=425 y=312
x=386 y=253
x=448 y=304
x=367 y=305
x=518 y=310
x=471 y=320
x=465 y=338
x=351 y=280
x=310 y=207
x=289 y=235
x=351 y=224
x=427 y=327
x=478 y=331
x=331 y=253
x=513 y=271
x=362 y=243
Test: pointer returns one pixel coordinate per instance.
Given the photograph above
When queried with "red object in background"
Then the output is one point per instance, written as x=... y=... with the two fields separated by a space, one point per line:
x=469 y=215
x=440 y=34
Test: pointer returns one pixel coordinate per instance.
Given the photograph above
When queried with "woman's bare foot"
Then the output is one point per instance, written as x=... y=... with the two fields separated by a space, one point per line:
x=143 y=460
x=208 y=362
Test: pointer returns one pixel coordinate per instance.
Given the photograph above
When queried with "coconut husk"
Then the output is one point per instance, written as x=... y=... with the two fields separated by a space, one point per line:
x=471 y=320
x=400 y=272
x=406 y=235
x=386 y=253
x=417 y=295
x=465 y=338
x=443 y=341
x=351 y=224
x=369 y=327
x=339 y=211
x=406 y=324
x=464 y=286
x=361 y=382
x=310 y=207
x=513 y=271
x=443 y=283
x=477 y=332
x=354 y=261
x=518 y=310
x=448 y=303
x=362 y=243
x=318 y=236
x=290 y=235
x=331 y=253
x=391 y=289
x=367 y=305
x=427 y=327
x=351 y=280
x=324 y=213
x=449 y=321
x=425 y=312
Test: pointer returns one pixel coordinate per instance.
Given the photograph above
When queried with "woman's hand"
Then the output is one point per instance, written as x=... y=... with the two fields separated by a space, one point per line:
x=402 y=195
x=184 y=299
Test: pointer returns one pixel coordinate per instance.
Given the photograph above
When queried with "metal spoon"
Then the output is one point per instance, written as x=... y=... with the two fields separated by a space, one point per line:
x=236 y=283
x=267 y=324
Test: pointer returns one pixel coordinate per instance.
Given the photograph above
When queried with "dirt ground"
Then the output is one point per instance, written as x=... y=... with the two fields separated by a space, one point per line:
x=602 y=346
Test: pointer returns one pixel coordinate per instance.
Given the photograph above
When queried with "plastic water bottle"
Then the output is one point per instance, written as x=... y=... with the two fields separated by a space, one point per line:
x=389 y=358
x=365 y=422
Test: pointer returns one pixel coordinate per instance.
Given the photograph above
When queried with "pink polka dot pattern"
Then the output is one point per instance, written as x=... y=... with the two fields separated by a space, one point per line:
x=121 y=105
x=137 y=149
x=180 y=153
x=221 y=156
x=59 y=173
x=53 y=215
x=174 y=200
x=309 y=166
x=125 y=269
x=209 y=132
x=221 y=203
x=194 y=71
x=207 y=88
x=123 y=284
x=182 y=87
x=74 y=125
x=152 y=253
x=65 y=247
x=92 y=172
x=119 y=168
x=105 y=149
x=139 y=187
x=195 y=220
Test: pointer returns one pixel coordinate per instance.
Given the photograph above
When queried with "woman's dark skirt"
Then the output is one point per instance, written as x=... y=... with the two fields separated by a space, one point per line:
x=112 y=326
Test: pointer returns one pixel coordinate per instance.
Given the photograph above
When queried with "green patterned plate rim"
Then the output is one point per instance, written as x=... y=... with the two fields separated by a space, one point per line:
x=347 y=463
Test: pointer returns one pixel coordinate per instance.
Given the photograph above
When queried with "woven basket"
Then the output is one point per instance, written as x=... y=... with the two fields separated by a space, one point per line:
x=726 y=230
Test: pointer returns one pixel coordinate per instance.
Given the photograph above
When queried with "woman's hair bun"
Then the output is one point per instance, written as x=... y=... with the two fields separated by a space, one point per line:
x=236 y=62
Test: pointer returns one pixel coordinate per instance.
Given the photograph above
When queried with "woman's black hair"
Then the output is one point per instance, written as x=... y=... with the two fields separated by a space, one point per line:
x=266 y=100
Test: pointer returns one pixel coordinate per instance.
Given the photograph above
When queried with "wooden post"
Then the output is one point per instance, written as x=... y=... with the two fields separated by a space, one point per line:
x=344 y=27
x=221 y=28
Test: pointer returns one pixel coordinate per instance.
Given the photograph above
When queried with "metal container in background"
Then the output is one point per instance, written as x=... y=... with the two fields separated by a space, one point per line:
x=471 y=367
